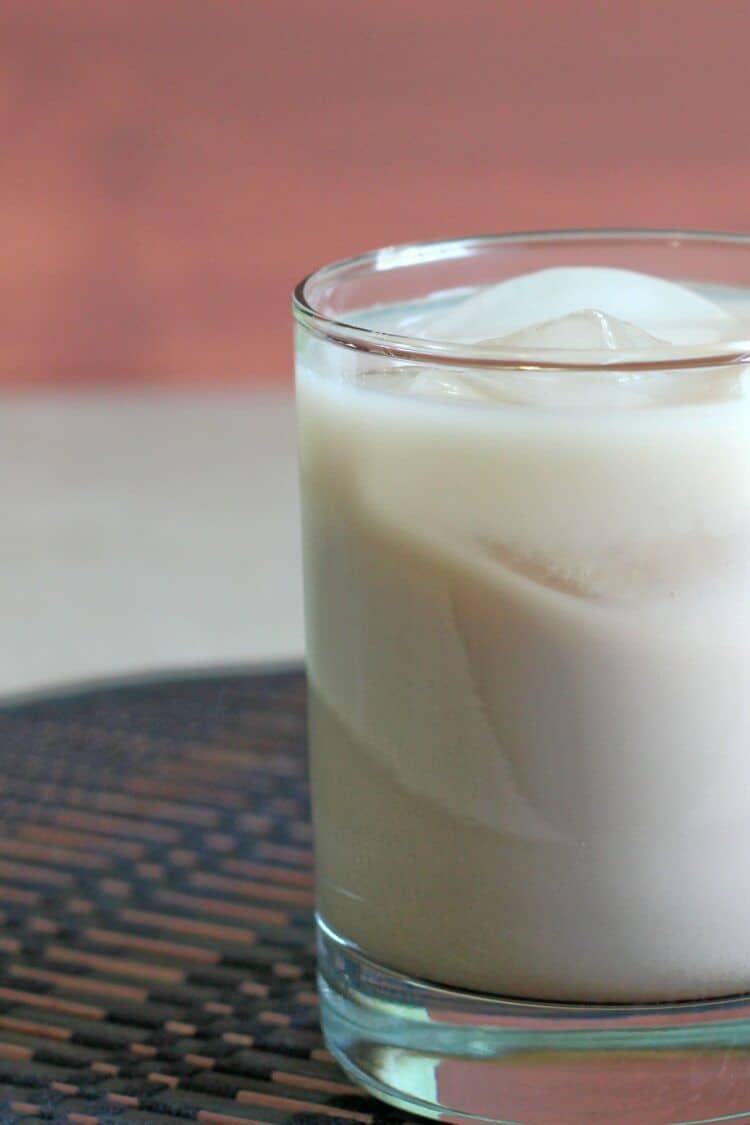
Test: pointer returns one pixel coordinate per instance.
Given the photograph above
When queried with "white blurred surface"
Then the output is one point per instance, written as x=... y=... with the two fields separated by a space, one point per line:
x=146 y=532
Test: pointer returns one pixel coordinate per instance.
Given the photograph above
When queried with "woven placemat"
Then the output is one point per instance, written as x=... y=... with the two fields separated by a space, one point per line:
x=156 y=895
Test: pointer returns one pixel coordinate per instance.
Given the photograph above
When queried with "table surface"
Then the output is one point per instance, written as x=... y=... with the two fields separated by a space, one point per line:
x=157 y=947
x=148 y=531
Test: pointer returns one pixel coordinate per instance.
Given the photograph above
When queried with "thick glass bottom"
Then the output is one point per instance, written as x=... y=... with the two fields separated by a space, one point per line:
x=460 y=1056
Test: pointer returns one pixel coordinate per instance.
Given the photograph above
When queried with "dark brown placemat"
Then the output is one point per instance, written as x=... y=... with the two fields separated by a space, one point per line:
x=156 y=938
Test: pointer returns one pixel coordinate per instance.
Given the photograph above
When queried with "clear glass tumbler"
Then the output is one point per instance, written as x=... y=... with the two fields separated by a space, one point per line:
x=527 y=576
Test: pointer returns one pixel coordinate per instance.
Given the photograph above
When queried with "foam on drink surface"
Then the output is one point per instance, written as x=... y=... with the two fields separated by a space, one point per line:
x=528 y=647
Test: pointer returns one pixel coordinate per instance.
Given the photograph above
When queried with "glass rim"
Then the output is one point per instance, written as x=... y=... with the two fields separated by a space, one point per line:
x=413 y=349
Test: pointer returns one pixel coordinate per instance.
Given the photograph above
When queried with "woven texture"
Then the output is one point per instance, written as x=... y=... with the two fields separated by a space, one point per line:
x=156 y=937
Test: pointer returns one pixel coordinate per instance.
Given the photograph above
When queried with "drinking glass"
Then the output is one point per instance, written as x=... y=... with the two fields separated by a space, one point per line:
x=527 y=587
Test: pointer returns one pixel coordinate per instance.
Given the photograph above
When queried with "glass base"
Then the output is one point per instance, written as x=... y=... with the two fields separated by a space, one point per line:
x=461 y=1056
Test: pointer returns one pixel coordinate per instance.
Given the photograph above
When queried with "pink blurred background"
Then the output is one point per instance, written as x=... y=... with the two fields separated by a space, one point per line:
x=171 y=167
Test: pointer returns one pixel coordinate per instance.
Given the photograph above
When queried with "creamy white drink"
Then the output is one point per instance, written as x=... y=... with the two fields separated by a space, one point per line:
x=528 y=619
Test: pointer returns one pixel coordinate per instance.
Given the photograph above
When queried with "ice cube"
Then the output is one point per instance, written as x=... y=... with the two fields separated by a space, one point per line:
x=422 y=382
x=656 y=567
x=546 y=299
x=589 y=329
